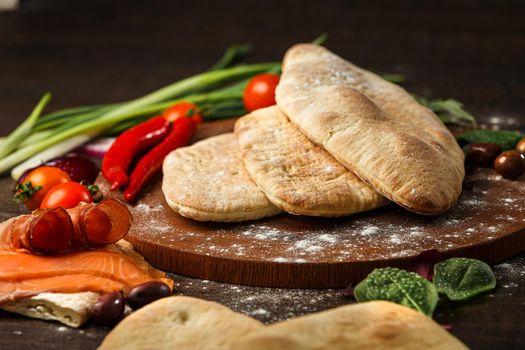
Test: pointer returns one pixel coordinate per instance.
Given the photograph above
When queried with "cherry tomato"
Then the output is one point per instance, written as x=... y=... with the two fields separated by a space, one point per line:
x=183 y=109
x=260 y=91
x=34 y=187
x=66 y=195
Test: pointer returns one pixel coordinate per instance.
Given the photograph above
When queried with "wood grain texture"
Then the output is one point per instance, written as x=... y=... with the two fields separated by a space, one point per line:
x=104 y=51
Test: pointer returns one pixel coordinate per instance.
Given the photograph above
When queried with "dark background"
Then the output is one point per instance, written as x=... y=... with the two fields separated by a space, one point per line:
x=90 y=52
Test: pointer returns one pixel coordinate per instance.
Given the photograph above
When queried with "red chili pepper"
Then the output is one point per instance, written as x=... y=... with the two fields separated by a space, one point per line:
x=182 y=130
x=140 y=137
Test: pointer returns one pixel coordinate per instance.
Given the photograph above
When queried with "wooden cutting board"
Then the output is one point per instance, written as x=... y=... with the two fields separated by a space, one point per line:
x=487 y=223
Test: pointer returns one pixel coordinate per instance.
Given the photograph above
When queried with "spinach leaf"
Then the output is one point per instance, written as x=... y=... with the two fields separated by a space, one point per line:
x=398 y=286
x=463 y=278
x=506 y=139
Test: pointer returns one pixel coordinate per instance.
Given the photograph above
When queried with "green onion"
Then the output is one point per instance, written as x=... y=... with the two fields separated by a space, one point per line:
x=45 y=122
x=36 y=137
x=234 y=53
x=188 y=85
x=129 y=110
x=24 y=129
x=393 y=78
x=320 y=39
x=49 y=153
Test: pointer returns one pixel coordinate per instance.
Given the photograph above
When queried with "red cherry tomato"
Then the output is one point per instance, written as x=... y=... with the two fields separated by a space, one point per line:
x=32 y=189
x=260 y=91
x=183 y=109
x=67 y=195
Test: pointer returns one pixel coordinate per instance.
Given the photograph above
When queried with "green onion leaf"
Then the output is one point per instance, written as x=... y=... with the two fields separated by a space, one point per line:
x=320 y=40
x=24 y=130
x=234 y=54
x=94 y=126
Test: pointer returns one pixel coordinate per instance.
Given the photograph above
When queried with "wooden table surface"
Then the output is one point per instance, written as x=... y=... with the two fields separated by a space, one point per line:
x=92 y=52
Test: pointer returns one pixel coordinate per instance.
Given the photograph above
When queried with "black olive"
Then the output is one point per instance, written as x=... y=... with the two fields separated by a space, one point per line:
x=146 y=293
x=520 y=147
x=108 y=309
x=510 y=164
x=482 y=154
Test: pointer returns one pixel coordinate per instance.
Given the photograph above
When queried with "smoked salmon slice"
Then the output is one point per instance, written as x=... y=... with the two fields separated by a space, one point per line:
x=113 y=268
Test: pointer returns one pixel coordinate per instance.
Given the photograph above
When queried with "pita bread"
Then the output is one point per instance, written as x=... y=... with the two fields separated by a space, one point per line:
x=208 y=182
x=371 y=325
x=180 y=323
x=374 y=128
x=190 y=323
x=296 y=175
x=70 y=309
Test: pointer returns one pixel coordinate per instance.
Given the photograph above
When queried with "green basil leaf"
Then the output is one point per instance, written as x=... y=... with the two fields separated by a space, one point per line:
x=398 y=286
x=463 y=278
x=506 y=139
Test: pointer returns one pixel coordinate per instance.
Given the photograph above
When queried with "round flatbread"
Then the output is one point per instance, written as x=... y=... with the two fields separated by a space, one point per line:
x=374 y=325
x=190 y=323
x=208 y=182
x=180 y=323
x=374 y=128
x=295 y=174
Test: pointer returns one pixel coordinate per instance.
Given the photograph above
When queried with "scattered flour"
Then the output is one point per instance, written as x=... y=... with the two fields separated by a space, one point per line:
x=477 y=217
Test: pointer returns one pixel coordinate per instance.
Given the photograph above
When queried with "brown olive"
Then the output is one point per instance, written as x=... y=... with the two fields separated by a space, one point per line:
x=510 y=164
x=482 y=154
x=108 y=309
x=146 y=293
x=520 y=147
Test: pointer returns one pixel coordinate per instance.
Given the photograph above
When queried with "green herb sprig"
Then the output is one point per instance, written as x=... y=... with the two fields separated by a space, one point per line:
x=450 y=111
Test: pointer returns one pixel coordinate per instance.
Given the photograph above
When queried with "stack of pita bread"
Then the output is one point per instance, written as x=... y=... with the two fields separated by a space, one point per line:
x=340 y=140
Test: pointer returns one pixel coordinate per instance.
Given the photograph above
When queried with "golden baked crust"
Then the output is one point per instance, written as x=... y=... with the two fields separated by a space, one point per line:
x=374 y=128
x=370 y=325
x=180 y=323
x=190 y=323
x=208 y=182
x=295 y=174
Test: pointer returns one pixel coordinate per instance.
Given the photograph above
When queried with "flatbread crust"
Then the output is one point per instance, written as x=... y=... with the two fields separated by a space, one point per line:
x=375 y=128
x=371 y=325
x=296 y=175
x=180 y=323
x=208 y=182
x=70 y=309
x=190 y=323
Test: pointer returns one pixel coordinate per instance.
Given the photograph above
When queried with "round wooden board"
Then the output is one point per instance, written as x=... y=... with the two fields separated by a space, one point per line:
x=487 y=223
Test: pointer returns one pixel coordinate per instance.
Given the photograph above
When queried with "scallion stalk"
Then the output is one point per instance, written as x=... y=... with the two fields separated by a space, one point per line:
x=24 y=130
x=232 y=55
x=52 y=152
x=35 y=137
x=189 y=85
x=48 y=123
x=150 y=102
